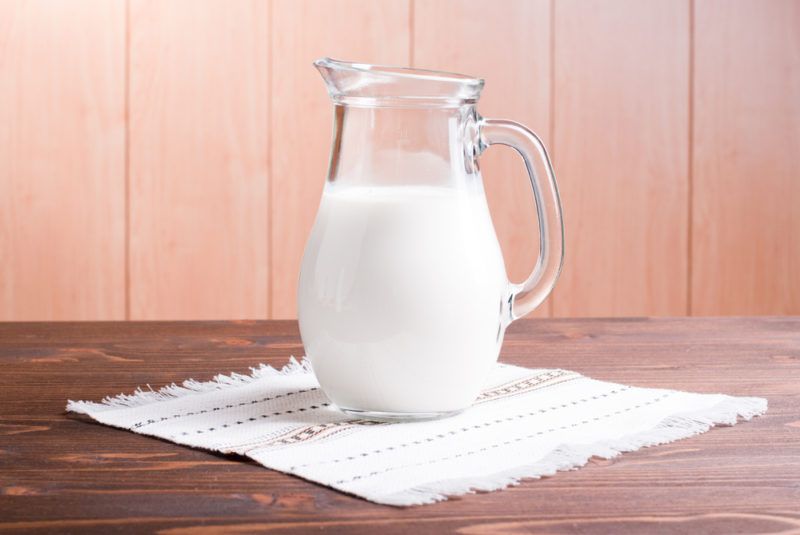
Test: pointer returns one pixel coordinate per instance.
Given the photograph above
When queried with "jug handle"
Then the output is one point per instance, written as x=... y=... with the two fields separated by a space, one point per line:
x=525 y=297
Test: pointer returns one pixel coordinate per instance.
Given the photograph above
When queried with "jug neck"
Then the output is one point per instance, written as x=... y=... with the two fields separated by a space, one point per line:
x=397 y=146
x=379 y=86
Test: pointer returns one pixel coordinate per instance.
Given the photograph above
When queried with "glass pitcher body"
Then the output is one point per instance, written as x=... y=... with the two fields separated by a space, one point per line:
x=403 y=297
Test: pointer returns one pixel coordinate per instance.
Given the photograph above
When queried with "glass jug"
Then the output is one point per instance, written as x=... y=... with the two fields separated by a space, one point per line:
x=403 y=297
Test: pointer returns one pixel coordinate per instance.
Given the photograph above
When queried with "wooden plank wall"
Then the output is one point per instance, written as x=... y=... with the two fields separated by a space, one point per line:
x=620 y=112
x=164 y=160
x=198 y=166
x=746 y=166
x=62 y=160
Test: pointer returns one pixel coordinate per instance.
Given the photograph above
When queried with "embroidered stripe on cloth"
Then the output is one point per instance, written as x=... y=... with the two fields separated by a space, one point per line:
x=527 y=423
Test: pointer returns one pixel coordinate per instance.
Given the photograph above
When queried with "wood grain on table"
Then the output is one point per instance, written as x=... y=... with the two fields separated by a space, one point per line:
x=62 y=473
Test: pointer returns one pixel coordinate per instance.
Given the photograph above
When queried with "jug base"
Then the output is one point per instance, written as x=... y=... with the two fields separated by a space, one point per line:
x=381 y=416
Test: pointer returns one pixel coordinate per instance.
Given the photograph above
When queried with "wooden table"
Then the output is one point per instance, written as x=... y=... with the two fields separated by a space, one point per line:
x=61 y=473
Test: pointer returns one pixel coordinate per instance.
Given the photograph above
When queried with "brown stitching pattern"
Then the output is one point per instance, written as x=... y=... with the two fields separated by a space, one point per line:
x=311 y=432
x=521 y=385
x=540 y=386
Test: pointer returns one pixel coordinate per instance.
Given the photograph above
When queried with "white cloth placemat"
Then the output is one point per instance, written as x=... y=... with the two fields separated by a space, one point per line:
x=527 y=423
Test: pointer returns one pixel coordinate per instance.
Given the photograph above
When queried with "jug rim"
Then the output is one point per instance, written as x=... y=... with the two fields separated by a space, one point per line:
x=394 y=70
x=358 y=83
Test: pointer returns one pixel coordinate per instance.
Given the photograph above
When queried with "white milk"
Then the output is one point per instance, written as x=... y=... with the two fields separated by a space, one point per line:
x=400 y=297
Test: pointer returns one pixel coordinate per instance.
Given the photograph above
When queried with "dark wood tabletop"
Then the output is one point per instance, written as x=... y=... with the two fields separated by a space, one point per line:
x=63 y=473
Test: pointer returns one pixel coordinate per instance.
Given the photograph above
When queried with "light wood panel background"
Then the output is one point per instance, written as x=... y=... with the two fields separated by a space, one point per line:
x=62 y=160
x=746 y=165
x=164 y=160
x=621 y=122
x=198 y=170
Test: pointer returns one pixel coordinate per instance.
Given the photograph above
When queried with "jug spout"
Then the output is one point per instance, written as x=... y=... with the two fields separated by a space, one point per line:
x=377 y=85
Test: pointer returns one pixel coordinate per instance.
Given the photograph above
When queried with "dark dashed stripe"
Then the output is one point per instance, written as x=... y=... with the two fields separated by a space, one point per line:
x=484 y=425
x=221 y=407
x=254 y=418
x=505 y=443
